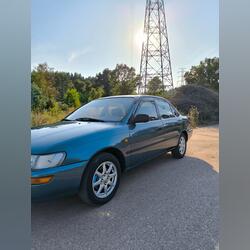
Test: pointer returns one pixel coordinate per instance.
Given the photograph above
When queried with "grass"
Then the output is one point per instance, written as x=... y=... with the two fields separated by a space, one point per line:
x=48 y=117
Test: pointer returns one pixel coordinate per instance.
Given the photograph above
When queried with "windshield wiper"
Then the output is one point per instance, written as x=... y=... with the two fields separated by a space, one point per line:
x=88 y=119
x=68 y=120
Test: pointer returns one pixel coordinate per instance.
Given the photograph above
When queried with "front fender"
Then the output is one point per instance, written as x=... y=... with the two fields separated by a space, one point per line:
x=85 y=149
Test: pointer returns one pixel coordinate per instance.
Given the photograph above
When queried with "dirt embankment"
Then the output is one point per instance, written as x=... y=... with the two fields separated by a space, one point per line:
x=204 y=145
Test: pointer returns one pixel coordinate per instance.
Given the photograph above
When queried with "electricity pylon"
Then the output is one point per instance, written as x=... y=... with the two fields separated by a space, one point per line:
x=155 y=56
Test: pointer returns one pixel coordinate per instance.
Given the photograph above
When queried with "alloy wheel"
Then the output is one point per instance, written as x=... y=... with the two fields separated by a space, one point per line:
x=182 y=145
x=104 y=179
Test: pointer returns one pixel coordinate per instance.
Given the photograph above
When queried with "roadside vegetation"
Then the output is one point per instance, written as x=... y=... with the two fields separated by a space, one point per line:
x=199 y=102
x=193 y=115
x=55 y=94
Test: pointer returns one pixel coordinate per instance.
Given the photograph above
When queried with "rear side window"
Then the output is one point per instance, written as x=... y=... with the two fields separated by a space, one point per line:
x=165 y=109
x=148 y=108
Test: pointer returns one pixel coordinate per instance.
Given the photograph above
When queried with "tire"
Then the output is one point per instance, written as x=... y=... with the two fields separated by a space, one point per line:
x=179 y=152
x=95 y=179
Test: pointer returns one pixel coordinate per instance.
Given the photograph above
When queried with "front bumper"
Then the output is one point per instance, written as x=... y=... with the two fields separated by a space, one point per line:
x=65 y=180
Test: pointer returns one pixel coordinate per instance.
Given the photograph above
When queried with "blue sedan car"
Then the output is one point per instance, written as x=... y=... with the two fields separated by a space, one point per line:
x=87 y=151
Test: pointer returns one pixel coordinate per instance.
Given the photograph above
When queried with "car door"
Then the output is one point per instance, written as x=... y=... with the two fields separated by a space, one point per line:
x=171 y=123
x=145 y=138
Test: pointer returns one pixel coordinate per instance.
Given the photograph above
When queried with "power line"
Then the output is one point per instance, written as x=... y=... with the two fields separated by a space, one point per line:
x=181 y=79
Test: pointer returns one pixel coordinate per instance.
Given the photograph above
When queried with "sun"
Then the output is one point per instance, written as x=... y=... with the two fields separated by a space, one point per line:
x=139 y=38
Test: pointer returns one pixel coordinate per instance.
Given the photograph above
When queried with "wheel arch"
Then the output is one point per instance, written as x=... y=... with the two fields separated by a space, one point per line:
x=185 y=134
x=114 y=151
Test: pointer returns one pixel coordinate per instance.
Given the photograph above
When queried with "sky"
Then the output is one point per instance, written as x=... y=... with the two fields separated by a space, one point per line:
x=87 y=36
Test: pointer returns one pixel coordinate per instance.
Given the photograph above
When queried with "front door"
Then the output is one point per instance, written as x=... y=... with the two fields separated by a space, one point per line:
x=145 y=138
x=171 y=124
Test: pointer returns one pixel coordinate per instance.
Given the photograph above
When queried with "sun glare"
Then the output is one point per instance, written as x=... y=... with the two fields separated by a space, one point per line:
x=139 y=38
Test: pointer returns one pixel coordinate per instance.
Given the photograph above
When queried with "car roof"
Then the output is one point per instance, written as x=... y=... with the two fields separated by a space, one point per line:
x=133 y=96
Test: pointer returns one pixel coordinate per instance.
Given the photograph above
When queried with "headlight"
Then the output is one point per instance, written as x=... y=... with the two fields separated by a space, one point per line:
x=47 y=161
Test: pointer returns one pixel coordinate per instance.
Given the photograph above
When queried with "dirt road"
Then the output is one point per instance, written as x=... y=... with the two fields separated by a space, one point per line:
x=204 y=145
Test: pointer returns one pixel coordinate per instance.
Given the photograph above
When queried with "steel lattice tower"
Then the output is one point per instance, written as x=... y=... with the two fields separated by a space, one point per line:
x=155 y=57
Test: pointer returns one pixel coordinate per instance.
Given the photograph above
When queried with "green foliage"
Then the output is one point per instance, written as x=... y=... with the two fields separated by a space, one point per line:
x=205 y=74
x=39 y=101
x=104 y=80
x=155 y=87
x=36 y=96
x=193 y=115
x=62 y=82
x=95 y=93
x=72 y=98
x=54 y=93
x=55 y=109
x=123 y=80
x=169 y=94
x=43 y=77
x=49 y=86
x=63 y=106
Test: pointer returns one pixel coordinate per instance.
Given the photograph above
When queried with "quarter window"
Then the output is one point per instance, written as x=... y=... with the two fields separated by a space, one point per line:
x=148 y=108
x=164 y=109
x=175 y=111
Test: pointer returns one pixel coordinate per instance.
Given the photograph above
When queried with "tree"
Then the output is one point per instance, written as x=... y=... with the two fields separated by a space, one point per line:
x=155 y=87
x=49 y=86
x=95 y=93
x=62 y=81
x=123 y=80
x=84 y=92
x=205 y=74
x=104 y=80
x=72 y=98
x=39 y=101
x=79 y=85
x=43 y=77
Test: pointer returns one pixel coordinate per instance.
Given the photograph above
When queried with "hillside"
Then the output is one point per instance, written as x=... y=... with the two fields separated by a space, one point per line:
x=206 y=101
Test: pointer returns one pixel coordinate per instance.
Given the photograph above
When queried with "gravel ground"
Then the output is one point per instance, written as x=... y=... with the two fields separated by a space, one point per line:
x=164 y=204
x=204 y=145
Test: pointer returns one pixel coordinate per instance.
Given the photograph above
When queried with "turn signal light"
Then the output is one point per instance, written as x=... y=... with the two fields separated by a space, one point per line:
x=41 y=180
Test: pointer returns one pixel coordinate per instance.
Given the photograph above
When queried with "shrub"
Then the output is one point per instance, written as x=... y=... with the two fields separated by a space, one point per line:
x=72 y=98
x=193 y=116
x=64 y=106
x=55 y=110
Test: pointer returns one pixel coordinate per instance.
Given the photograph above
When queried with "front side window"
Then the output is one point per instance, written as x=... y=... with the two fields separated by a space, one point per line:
x=148 y=108
x=164 y=109
x=107 y=110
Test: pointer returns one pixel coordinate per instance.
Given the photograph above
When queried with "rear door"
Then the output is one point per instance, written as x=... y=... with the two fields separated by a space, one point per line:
x=171 y=123
x=145 y=138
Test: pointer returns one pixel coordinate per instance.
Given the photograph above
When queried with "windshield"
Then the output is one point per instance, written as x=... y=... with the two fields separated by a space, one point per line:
x=103 y=110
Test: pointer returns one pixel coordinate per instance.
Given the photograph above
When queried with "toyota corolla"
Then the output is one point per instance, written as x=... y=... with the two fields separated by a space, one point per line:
x=87 y=152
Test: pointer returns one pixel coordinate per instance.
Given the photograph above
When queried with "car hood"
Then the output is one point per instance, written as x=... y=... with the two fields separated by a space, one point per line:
x=52 y=137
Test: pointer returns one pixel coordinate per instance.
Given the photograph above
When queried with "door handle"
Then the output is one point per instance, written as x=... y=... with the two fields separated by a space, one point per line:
x=168 y=124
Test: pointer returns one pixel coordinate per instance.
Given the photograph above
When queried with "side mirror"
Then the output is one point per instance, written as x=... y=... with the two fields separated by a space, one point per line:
x=141 y=118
